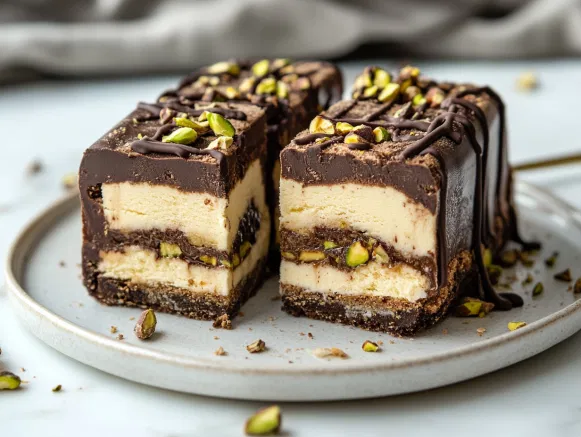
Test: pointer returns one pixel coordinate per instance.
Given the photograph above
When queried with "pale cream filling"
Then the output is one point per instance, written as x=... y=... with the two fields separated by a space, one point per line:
x=206 y=220
x=142 y=266
x=373 y=279
x=381 y=212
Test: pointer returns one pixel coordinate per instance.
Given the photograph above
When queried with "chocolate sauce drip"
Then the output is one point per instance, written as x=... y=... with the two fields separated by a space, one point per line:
x=146 y=146
x=155 y=109
x=359 y=146
x=307 y=139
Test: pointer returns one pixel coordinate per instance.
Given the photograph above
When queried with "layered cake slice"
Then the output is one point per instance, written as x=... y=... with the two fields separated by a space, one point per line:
x=391 y=202
x=291 y=93
x=174 y=208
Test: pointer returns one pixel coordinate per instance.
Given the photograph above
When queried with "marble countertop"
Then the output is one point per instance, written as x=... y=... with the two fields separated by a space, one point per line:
x=55 y=121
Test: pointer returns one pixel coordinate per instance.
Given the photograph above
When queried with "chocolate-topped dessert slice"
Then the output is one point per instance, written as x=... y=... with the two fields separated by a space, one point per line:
x=391 y=202
x=174 y=208
x=291 y=93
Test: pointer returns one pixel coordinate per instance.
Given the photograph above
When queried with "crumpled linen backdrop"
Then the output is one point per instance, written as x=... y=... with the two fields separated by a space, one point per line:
x=89 y=37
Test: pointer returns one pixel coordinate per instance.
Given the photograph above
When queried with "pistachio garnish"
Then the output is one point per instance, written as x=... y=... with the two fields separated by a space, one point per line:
x=356 y=255
x=527 y=81
x=207 y=259
x=303 y=83
x=525 y=259
x=289 y=69
x=279 y=63
x=564 y=276
x=145 y=326
x=231 y=93
x=329 y=352
x=264 y=422
x=221 y=143
x=418 y=100
x=310 y=255
x=371 y=91
x=577 y=286
x=320 y=125
x=281 y=90
x=290 y=78
x=343 y=128
x=513 y=326
x=369 y=346
x=487 y=257
x=185 y=122
x=329 y=245
x=169 y=250
x=235 y=260
x=381 y=78
x=266 y=86
x=256 y=346
x=214 y=81
x=245 y=248
x=435 y=97
x=220 y=125
x=405 y=85
x=183 y=135
x=224 y=67
x=494 y=273
x=412 y=91
x=390 y=92
x=508 y=258
x=57 y=388
x=226 y=263
x=528 y=280
x=380 y=254
x=166 y=115
x=469 y=308
x=353 y=138
x=247 y=84
x=288 y=255
x=261 y=68
x=381 y=134
x=9 y=381
x=538 y=288
x=550 y=261
x=409 y=72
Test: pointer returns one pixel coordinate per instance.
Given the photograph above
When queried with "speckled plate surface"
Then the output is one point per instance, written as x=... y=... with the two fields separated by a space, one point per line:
x=43 y=279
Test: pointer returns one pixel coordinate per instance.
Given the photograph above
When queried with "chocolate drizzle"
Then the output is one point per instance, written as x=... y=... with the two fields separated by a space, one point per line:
x=455 y=126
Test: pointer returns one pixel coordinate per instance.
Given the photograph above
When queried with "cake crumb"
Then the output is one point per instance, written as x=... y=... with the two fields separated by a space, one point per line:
x=240 y=314
x=302 y=334
x=131 y=318
x=35 y=167
x=380 y=342
x=481 y=331
x=220 y=351
x=444 y=331
x=391 y=342
x=113 y=329
x=120 y=337
x=277 y=297
x=256 y=346
x=310 y=335
x=62 y=264
x=69 y=181
x=223 y=322
x=216 y=337
x=329 y=352
x=527 y=81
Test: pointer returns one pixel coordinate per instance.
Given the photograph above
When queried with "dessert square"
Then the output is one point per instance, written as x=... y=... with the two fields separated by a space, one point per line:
x=393 y=202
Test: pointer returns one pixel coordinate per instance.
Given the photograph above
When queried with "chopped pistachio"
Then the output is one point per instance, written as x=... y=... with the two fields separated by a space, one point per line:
x=509 y=258
x=538 y=289
x=146 y=324
x=418 y=100
x=279 y=63
x=353 y=138
x=266 y=86
x=256 y=346
x=214 y=81
x=329 y=245
x=183 y=135
x=289 y=69
x=435 y=96
x=265 y=422
x=185 y=122
x=247 y=84
x=169 y=250
x=380 y=254
x=412 y=91
x=261 y=68
x=9 y=381
x=356 y=255
x=311 y=255
x=487 y=257
x=469 y=308
x=303 y=83
x=221 y=143
x=409 y=72
x=281 y=90
x=369 y=346
x=288 y=255
x=381 y=134
x=389 y=92
x=207 y=259
x=226 y=263
x=166 y=114
x=527 y=81
x=220 y=125
x=577 y=286
x=525 y=259
x=290 y=78
x=231 y=93
x=224 y=67
x=494 y=273
x=321 y=125
x=70 y=180
x=343 y=128
x=513 y=326
x=244 y=248
x=550 y=261
x=57 y=388
x=371 y=91
x=405 y=85
x=528 y=280
x=564 y=276
x=235 y=260
x=381 y=78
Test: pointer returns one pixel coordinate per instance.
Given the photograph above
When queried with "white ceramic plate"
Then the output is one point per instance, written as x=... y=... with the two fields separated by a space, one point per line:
x=52 y=303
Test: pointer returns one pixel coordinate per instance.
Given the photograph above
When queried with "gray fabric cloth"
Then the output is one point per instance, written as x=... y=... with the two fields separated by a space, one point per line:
x=88 y=37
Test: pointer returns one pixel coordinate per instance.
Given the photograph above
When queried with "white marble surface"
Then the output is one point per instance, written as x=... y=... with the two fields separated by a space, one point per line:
x=55 y=121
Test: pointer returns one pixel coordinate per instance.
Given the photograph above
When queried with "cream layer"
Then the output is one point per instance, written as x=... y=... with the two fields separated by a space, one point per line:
x=207 y=220
x=373 y=279
x=381 y=212
x=142 y=266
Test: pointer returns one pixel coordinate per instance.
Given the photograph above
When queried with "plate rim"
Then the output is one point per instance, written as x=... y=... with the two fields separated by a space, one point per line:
x=40 y=224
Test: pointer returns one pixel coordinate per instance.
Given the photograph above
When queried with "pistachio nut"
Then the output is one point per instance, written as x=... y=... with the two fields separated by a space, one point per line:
x=381 y=78
x=329 y=245
x=264 y=422
x=183 y=135
x=310 y=256
x=244 y=249
x=9 y=381
x=169 y=250
x=256 y=346
x=281 y=90
x=145 y=326
x=369 y=346
x=513 y=326
x=538 y=289
x=381 y=134
x=390 y=92
x=356 y=255
x=221 y=143
x=210 y=260
x=343 y=128
x=261 y=68
x=220 y=125
x=247 y=84
x=224 y=67
x=320 y=125
x=266 y=86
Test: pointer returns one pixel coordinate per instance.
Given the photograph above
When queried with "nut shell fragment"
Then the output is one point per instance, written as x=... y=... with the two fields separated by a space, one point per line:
x=256 y=346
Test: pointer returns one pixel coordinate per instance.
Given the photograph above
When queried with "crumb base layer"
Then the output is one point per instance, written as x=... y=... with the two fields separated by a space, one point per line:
x=172 y=300
x=383 y=314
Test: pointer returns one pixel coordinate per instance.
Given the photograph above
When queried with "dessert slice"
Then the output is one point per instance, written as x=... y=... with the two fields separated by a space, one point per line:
x=174 y=209
x=291 y=93
x=387 y=201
